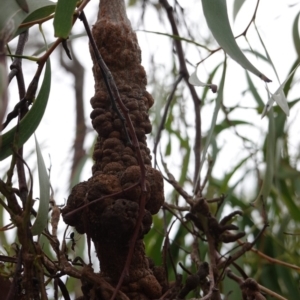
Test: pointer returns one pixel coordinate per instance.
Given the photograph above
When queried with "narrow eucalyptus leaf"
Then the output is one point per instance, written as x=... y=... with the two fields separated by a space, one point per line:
x=236 y=168
x=288 y=84
x=194 y=80
x=45 y=47
x=279 y=97
x=78 y=170
x=270 y=159
x=12 y=15
x=236 y=7
x=44 y=183
x=176 y=38
x=296 y=36
x=63 y=19
x=254 y=92
x=210 y=79
x=215 y=12
x=218 y=101
x=3 y=90
x=32 y=119
x=257 y=54
x=23 y=4
x=131 y=3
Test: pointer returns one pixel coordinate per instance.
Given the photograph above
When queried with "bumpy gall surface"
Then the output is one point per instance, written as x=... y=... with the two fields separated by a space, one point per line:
x=111 y=221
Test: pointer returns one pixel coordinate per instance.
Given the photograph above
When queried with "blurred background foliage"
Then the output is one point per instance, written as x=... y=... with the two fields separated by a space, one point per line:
x=251 y=163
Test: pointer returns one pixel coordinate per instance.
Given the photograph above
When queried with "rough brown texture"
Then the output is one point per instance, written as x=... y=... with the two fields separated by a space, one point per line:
x=111 y=222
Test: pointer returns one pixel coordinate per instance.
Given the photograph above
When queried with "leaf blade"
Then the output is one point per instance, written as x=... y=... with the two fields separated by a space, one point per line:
x=63 y=19
x=31 y=120
x=12 y=16
x=216 y=15
x=296 y=37
x=269 y=159
x=219 y=100
x=44 y=183
x=236 y=7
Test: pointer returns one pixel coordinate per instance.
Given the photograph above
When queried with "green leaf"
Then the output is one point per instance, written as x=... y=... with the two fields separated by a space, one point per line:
x=12 y=16
x=214 y=119
x=257 y=54
x=184 y=167
x=78 y=170
x=63 y=19
x=23 y=4
x=132 y=3
x=288 y=83
x=210 y=79
x=41 y=12
x=289 y=200
x=44 y=183
x=45 y=47
x=285 y=277
x=168 y=147
x=31 y=120
x=236 y=7
x=228 y=176
x=266 y=52
x=3 y=89
x=296 y=36
x=215 y=12
x=255 y=94
x=194 y=80
x=279 y=97
x=154 y=240
x=175 y=37
x=226 y=124
x=270 y=159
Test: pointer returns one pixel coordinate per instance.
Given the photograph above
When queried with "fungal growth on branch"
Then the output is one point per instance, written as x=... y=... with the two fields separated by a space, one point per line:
x=111 y=222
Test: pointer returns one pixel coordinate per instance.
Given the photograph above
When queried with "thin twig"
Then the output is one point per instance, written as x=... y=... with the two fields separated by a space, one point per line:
x=44 y=58
x=109 y=81
x=246 y=247
x=77 y=70
x=271 y=259
x=236 y=37
x=176 y=207
x=164 y=117
x=17 y=64
x=208 y=173
x=195 y=98
x=263 y=289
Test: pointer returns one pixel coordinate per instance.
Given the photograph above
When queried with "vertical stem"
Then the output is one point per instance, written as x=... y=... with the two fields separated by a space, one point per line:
x=195 y=98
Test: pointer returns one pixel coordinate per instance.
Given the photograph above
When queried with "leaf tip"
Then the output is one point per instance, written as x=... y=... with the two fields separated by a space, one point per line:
x=24 y=6
x=194 y=80
x=264 y=78
x=214 y=88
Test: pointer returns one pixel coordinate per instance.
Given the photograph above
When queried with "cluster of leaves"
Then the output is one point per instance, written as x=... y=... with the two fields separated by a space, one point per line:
x=27 y=271
x=262 y=180
x=268 y=170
